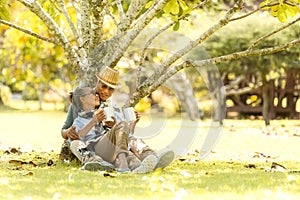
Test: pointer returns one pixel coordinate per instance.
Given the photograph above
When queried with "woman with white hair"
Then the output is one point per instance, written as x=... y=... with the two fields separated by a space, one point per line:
x=108 y=79
x=109 y=145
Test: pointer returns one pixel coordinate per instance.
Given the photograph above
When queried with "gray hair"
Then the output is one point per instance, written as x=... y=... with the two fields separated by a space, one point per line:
x=77 y=93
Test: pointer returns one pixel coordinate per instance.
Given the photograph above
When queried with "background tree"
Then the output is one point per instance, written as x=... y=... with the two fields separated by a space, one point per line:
x=79 y=28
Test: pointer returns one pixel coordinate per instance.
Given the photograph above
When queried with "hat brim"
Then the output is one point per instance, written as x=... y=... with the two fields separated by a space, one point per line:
x=106 y=83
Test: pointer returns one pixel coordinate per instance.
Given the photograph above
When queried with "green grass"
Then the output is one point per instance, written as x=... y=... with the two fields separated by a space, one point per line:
x=224 y=174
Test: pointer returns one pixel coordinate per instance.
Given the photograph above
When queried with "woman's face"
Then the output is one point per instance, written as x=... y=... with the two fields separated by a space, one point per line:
x=88 y=99
x=104 y=91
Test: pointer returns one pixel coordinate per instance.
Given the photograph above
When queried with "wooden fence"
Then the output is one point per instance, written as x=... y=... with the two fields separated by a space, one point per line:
x=274 y=98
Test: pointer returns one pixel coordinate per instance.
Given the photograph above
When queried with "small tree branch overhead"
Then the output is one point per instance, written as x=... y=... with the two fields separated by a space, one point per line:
x=120 y=9
x=221 y=23
x=29 y=32
x=131 y=35
x=133 y=11
x=36 y=8
x=144 y=50
x=202 y=63
x=71 y=24
x=177 y=55
x=273 y=32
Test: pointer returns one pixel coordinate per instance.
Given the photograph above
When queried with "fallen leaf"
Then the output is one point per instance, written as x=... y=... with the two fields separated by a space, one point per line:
x=32 y=163
x=15 y=150
x=17 y=162
x=251 y=166
x=30 y=173
x=50 y=162
x=106 y=174
x=182 y=159
x=275 y=167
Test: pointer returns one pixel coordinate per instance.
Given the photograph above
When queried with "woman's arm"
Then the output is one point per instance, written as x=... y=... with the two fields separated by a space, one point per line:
x=87 y=127
x=98 y=117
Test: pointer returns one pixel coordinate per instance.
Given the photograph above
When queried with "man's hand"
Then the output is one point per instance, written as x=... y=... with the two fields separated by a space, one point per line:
x=137 y=116
x=110 y=124
x=72 y=134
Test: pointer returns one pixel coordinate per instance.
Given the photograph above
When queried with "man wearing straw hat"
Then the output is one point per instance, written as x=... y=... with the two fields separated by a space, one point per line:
x=108 y=79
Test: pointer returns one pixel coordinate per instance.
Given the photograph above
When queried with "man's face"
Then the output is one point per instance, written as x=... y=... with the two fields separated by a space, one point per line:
x=104 y=91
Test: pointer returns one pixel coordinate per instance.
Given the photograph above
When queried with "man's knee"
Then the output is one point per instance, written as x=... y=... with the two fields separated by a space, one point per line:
x=123 y=127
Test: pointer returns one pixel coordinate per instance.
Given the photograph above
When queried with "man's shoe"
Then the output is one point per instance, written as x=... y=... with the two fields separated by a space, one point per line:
x=126 y=170
x=165 y=159
x=147 y=165
x=98 y=166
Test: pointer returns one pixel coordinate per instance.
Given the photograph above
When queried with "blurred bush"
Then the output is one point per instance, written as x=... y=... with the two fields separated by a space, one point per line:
x=5 y=94
x=29 y=93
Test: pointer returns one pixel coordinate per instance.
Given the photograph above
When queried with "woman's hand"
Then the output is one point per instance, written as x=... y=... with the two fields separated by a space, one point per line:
x=99 y=115
x=72 y=134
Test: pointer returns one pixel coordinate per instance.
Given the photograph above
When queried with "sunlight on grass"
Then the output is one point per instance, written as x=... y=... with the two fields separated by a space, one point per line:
x=224 y=174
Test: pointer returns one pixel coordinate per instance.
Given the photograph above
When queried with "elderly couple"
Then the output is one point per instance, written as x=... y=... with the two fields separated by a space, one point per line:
x=107 y=145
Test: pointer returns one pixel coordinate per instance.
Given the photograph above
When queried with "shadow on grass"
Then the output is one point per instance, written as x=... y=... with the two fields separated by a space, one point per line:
x=188 y=179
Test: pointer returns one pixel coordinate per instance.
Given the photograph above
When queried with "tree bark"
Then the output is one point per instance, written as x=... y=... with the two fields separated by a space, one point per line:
x=266 y=102
x=183 y=90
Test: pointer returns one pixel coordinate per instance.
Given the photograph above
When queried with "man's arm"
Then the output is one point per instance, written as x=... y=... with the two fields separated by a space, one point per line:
x=132 y=125
x=68 y=131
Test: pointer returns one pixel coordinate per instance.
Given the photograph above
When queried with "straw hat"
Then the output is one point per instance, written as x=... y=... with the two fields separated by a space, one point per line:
x=108 y=76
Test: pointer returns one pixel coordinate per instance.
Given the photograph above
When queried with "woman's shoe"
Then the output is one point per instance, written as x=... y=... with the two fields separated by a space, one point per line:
x=98 y=166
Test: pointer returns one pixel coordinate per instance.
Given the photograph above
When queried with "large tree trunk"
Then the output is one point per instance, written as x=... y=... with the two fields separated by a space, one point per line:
x=183 y=90
x=217 y=93
x=1 y=101
x=266 y=102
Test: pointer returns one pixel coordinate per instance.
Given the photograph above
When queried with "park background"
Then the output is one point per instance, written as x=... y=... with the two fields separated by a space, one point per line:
x=36 y=78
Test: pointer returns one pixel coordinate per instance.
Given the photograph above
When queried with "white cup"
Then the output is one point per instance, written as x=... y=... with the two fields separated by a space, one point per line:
x=129 y=114
x=109 y=113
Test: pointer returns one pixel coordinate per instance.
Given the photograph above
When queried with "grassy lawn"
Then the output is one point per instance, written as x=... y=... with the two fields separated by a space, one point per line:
x=238 y=168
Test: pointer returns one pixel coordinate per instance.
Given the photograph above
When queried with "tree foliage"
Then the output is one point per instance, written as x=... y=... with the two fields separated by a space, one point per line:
x=96 y=33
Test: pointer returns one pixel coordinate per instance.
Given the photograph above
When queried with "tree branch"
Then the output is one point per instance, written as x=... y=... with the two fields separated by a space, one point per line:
x=273 y=33
x=144 y=90
x=147 y=86
x=120 y=10
x=98 y=10
x=29 y=32
x=144 y=50
x=243 y=90
x=221 y=23
x=254 y=11
x=131 y=35
x=55 y=6
x=133 y=11
x=71 y=24
x=148 y=43
x=35 y=7
x=108 y=11
x=234 y=56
